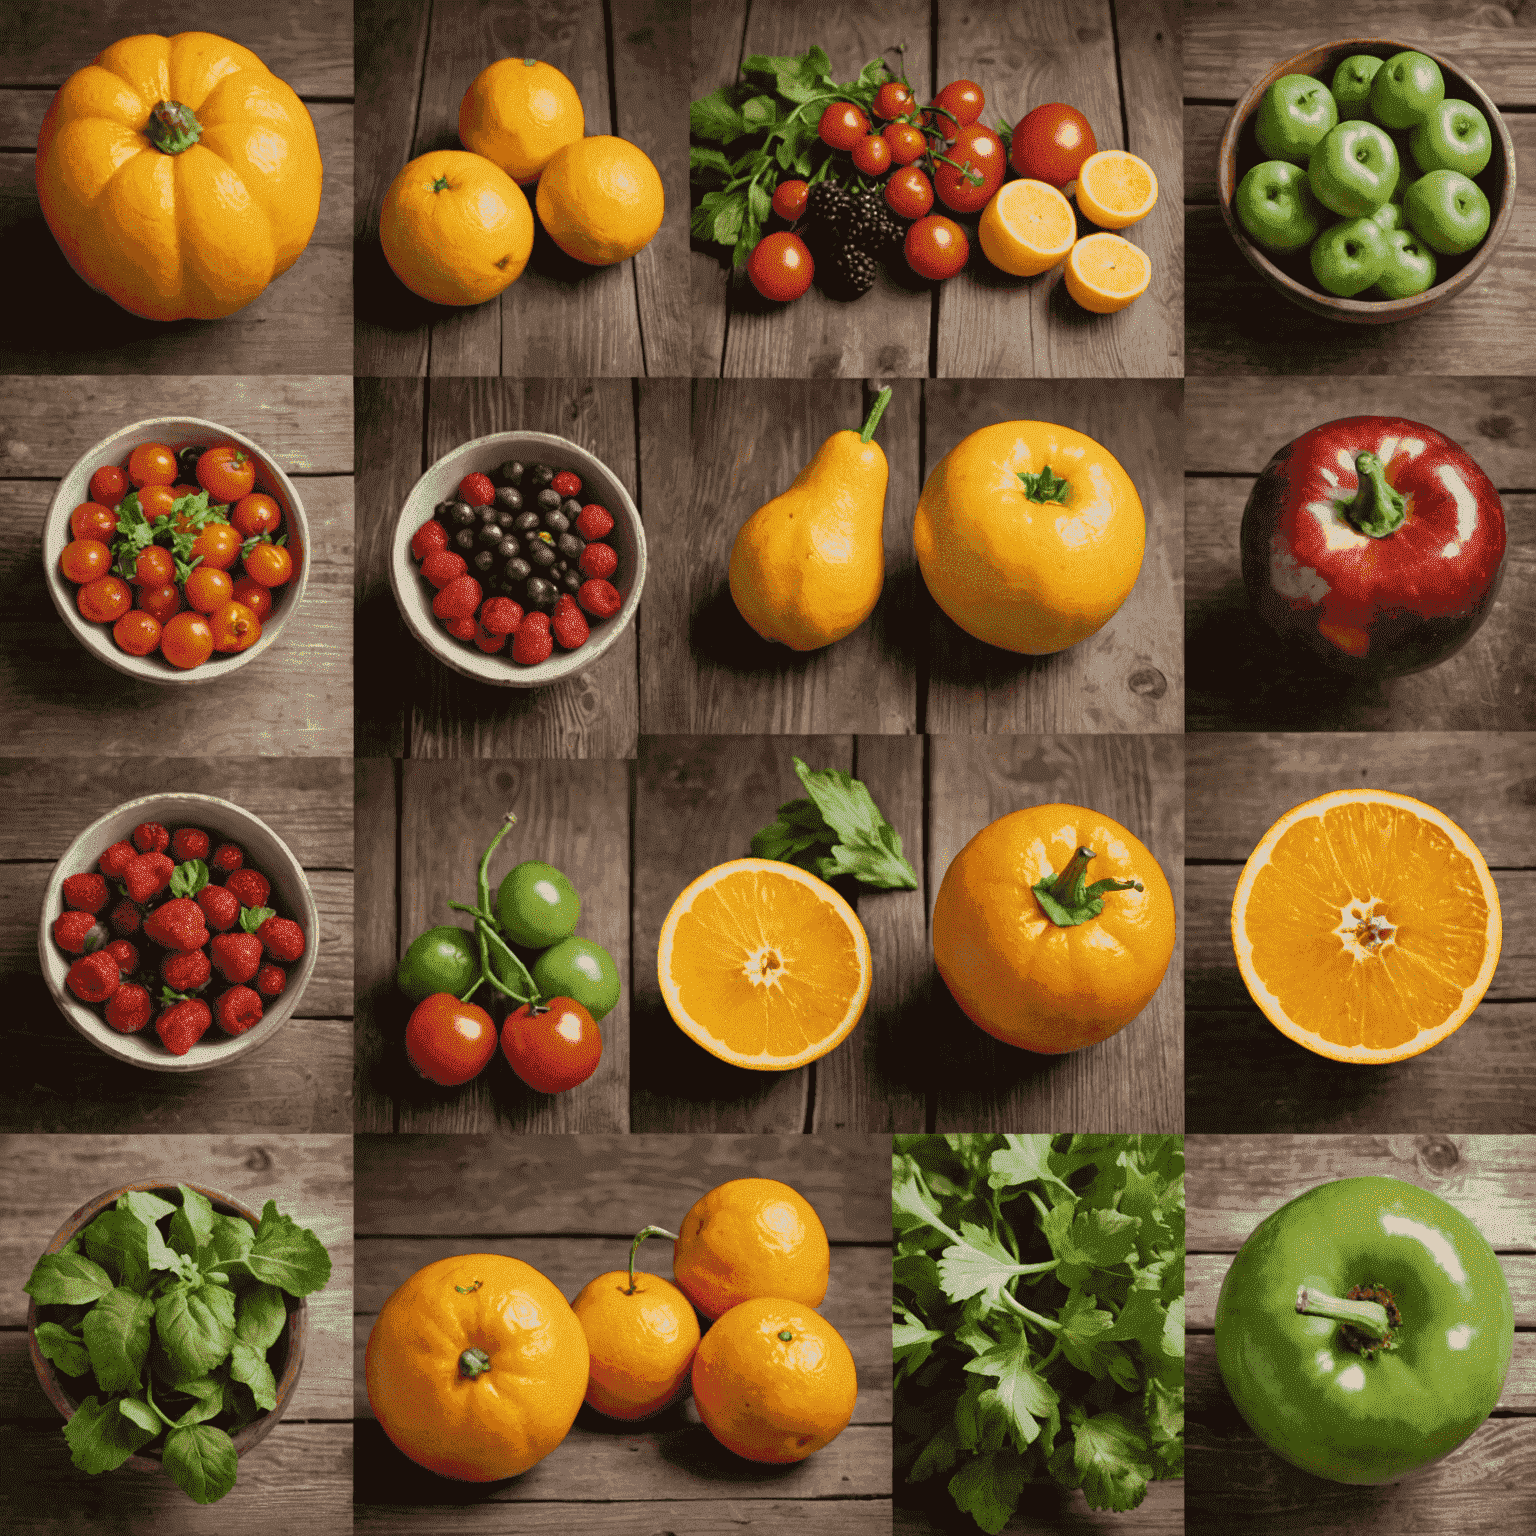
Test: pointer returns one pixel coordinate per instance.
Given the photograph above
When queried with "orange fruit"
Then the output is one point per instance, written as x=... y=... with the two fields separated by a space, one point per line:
x=749 y=1238
x=773 y=1381
x=641 y=1343
x=1115 y=188
x=517 y=113
x=1027 y=228
x=1105 y=273
x=763 y=964
x=1366 y=925
x=600 y=200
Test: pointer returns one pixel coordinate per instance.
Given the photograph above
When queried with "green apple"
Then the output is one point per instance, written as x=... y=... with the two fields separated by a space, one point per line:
x=1347 y=258
x=1352 y=85
x=1295 y=114
x=1410 y=266
x=1407 y=88
x=1453 y=137
x=1274 y=203
x=1390 y=215
x=1354 y=170
x=1447 y=212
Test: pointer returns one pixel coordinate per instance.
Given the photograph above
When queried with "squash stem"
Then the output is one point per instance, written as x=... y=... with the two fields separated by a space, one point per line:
x=634 y=1248
x=172 y=128
x=1067 y=901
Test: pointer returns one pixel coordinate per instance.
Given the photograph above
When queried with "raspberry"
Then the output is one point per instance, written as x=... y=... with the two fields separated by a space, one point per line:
x=236 y=955
x=487 y=642
x=126 y=955
x=151 y=837
x=221 y=907
x=442 y=567
x=147 y=876
x=94 y=978
x=477 y=490
x=72 y=930
x=458 y=600
x=189 y=843
x=599 y=598
x=85 y=893
x=237 y=1010
x=500 y=616
x=282 y=938
x=186 y=972
x=599 y=561
x=125 y=918
x=461 y=629
x=251 y=886
x=116 y=859
x=567 y=624
x=179 y=924
x=428 y=539
x=227 y=857
x=531 y=644
x=182 y=1025
x=595 y=522
x=566 y=483
x=128 y=1009
x=271 y=979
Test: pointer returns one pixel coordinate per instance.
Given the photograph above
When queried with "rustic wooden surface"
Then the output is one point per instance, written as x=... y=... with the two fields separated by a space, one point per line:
x=569 y=1206
x=408 y=703
x=1051 y=1512
x=299 y=1081
x=1236 y=322
x=1243 y=1074
x=909 y=668
x=1239 y=678
x=294 y=699
x=1119 y=65
x=300 y=1476
x=1484 y=1488
x=627 y=60
x=301 y=324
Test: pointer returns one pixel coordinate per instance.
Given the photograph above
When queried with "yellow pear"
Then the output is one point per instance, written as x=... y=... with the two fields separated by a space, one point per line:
x=807 y=567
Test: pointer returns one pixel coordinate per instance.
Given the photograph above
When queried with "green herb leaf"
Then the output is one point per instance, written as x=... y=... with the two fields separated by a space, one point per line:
x=192 y=1224
x=1025 y=1398
x=147 y=1207
x=715 y=117
x=261 y=1317
x=67 y=1279
x=65 y=1349
x=229 y=1240
x=100 y=1438
x=207 y=1393
x=1110 y=1455
x=116 y=1332
x=249 y=1364
x=287 y=1255
x=138 y=1412
x=1045 y=486
x=195 y=1326
x=202 y=1461
x=127 y=1248
x=189 y=878
x=251 y=918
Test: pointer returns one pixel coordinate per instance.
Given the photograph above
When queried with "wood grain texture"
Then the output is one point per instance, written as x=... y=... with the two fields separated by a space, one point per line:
x=376 y=937
x=703 y=1517
x=1052 y=1512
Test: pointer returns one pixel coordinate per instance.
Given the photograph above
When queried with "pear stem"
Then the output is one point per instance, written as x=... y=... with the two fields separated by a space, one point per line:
x=876 y=411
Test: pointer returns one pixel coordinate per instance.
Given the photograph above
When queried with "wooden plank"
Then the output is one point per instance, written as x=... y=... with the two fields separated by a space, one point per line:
x=376 y=939
x=761 y=1517
x=705 y=669
x=1129 y=676
x=1049 y=1509
x=1134 y=1080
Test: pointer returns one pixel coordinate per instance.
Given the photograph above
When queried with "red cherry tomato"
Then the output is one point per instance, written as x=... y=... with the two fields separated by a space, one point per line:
x=256 y=514
x=894 y=99
x=186 y=640
x=1051 y=143
x=936 y=247
x=270 y=565
x=554 y=1046
x=789 y=199
x=137 y=632
x=109 y=485
x=964 y=98
x=227 y=473
x=842 y=125
x=872 y=155
x=976 y=151
x=152 y=464
x=780 y=267
x=255 y=596
x=104 y=600
x=906 y=142
x=161 y=602
x=447 y=1041
x=909 y=193
x=85 y=559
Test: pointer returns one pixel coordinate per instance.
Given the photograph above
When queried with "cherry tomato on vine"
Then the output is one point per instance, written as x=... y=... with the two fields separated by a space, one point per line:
x=964 y=98
x=234 y=626
x=449 y=1042
x=161 y=602
x=1051 y=143
x=552 y=1046
x=780 y=266
x=936 y=247
x=105 y=600
x=227 y=473
x=842 y=125
x=85 y=559
x=906 y=142
x=137 y=632
x=909 y=193
x=256 y=514
x=186 y=641
x=976 y=150
x=152 y=464
x=894 y=99
x=109 y=485
x=92 y=520
x=789 y=199
x=872 y=155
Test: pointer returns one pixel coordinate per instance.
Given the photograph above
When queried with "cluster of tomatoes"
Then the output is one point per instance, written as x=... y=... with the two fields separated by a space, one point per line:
x=154 y=551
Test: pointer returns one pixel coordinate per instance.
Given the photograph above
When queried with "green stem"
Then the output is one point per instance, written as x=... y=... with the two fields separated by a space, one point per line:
x=876 y=411
x=149 y=1397
x=1377 y=509
x=1046 y=486
x=172 y=128
x=970 y=172
x=1033 y=1317
x=489 y=935
x=1067 y=901
x=507 y=823
x=1369 y=1317
x=473 y=1363
x=634 y=1248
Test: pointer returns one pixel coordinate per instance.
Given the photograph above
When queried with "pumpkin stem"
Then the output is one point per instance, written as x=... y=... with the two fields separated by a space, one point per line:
x=473 y=1362
x=634 y=1248
x=1045 y=486
x=1377 y=509
x=1067 y=901
x=172 y=127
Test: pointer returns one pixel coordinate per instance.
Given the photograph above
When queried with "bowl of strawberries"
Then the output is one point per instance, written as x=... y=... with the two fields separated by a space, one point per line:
x=178 y=931
x=175 y=550
x=518 y=559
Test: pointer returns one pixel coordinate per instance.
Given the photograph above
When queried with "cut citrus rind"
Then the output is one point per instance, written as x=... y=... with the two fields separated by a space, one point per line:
x=1105 y=273
x=1116 y=188
x=1366 y=926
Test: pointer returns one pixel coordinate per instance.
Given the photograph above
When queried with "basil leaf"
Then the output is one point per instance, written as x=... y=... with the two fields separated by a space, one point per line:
x=261 y=1317
x=287 y=1255
x=123 y=1244
x=189 y=878
x=202 y=1461
x=117 y=1336
x=147 y=1207
x=66 y=1279
x=196 y=1327
x=239 y=1404
x=192 y=1225
x=229 y=1241
x=248 y=1364
x=63 y=1348
x=100 y=1438
x=140 y=1413
x=208 y=1392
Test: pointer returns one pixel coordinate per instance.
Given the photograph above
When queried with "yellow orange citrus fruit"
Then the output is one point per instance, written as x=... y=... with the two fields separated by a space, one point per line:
x=749 y=1238
x=518 y=113
x=1027 y=228
x=773 y=1381
x=1105 y=273
x=600 y=200
x=763 y=964
x=641 y=1342
x=1115 y=188
x=1366 y=925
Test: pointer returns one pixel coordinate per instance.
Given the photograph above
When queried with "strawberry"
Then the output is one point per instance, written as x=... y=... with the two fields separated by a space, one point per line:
x=500 y=616
x=428 y=539
x=271 y=979
x=116 y=859
x=72 y=932
x=94 y=978
x=488 y=643
x=238 y=1009
x=227 y=858
x=186 y=971
x=443 y=566
x=179 y=924
x=147 y=876
x=125 y=918
x=477 y=490
x=221 y=907
x=151 y=837
x=251 y=886
x=599 y=598
x=183 y=1024
x=458 y=600
x=594 y=522
x=85 y=893
x=566 y=483
x=461 y=629
x=129 y=1008
x=189 y=843
x=599 y=561
x=236 y=955
x=126 y=955
x=282 y=938
x=568 y=624
x=531 y=644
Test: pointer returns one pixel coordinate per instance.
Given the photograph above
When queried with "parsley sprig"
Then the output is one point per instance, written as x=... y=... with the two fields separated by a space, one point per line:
x=177 y=531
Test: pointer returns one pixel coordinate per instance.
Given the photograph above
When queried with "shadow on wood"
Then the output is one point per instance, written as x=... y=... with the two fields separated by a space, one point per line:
x=382 y=299
x=718 y=633
x=382 y=1474
x=665 y=1062
x=697 y=1452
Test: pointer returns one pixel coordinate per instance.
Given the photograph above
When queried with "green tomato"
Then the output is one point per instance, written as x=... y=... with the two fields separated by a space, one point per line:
x=536 y=905
x=581 y=970
x=443 y=959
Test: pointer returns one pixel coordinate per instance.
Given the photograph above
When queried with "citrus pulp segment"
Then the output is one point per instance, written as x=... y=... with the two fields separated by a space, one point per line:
x=1027 y=228
x=1115 y=188
x=1105 y=273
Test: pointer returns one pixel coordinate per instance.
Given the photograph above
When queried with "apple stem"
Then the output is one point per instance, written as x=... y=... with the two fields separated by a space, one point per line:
x=1377 y=509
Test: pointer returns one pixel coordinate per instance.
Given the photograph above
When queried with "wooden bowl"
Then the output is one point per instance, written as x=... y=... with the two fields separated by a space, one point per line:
x=290 y=1347
x=1291 y=274
x=175 y=432
x=224 y=821
x=598 y=483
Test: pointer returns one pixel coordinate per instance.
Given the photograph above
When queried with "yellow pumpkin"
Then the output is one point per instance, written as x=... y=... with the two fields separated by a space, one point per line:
x=179 y=175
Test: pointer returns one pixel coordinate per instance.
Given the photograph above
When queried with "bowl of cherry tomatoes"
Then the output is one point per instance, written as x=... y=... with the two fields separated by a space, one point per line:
x=175 y=550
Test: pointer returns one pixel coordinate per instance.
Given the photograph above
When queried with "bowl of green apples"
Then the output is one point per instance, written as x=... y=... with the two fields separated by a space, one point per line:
x=1367 y=179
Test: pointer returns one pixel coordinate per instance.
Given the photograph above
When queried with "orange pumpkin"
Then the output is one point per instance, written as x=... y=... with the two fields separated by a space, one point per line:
x=179 y=175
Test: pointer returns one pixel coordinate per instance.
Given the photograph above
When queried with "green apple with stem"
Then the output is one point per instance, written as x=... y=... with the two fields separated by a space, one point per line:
x=1354 y=170
x=1352 y=85
x=1294 y=116
x=1453 y=137
x=1347 y=258
x=1410 y=266
x=1447 y=211
x=1274 y=203
x=1407 y=88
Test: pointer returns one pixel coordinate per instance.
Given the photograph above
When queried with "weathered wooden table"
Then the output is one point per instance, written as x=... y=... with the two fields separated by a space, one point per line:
x=627 y=61
x=1243 y=1075
x=1049 y=1511
x=1235 y=321
x=299 y=1080
x=1486 y=1486
x=301 y=324
x=300 y=1476
x=570 y=1206
x=1239 y=676
x=909 y=667
x=914 y=1061
x=1118 y=65
x=294 y=699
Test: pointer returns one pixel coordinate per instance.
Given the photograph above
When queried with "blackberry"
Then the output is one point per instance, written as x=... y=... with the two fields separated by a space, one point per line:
x=828 y=205
x=853 y=271
x=871 y=224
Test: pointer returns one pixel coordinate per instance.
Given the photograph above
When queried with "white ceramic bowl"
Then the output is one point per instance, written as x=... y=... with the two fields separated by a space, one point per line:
x=224 y=822
x=598 y=483
x=175 y=432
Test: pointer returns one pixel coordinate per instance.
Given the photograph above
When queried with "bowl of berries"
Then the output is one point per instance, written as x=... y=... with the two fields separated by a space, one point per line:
x=175 y=550
x=178 y=932
x=518 y=559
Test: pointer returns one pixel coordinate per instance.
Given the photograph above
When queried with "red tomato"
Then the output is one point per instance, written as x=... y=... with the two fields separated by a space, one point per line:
x=85 y=559
x=976 y=151
x=909 y=193
x=906 y=142
x=256 y=514
x=186 y=641
x=154 y=567
x=872 y=155
x=152 y=464
x=1051 y=143
x=843 y=125
x=554 y=1046
x=789 y=200
x=161 y=602
x=91 y=520
x=105 y=600
x=936 y=247
x=137 y=632
x=156 y=501
x=780 y=267
x=269 y=565
x=109 y=485
x=447 y=1041
x=208 y=588
x=219 y=545
x=227 y=473
x=255 y=596
x=234 y=626
x=894 y=99
x=964 y=98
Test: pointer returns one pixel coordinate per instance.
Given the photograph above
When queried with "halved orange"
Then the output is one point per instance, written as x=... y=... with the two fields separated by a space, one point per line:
x=763 y=964
x=1105 y=273
x=1366 y=925
x=1027 y=228
x=1115 y=188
